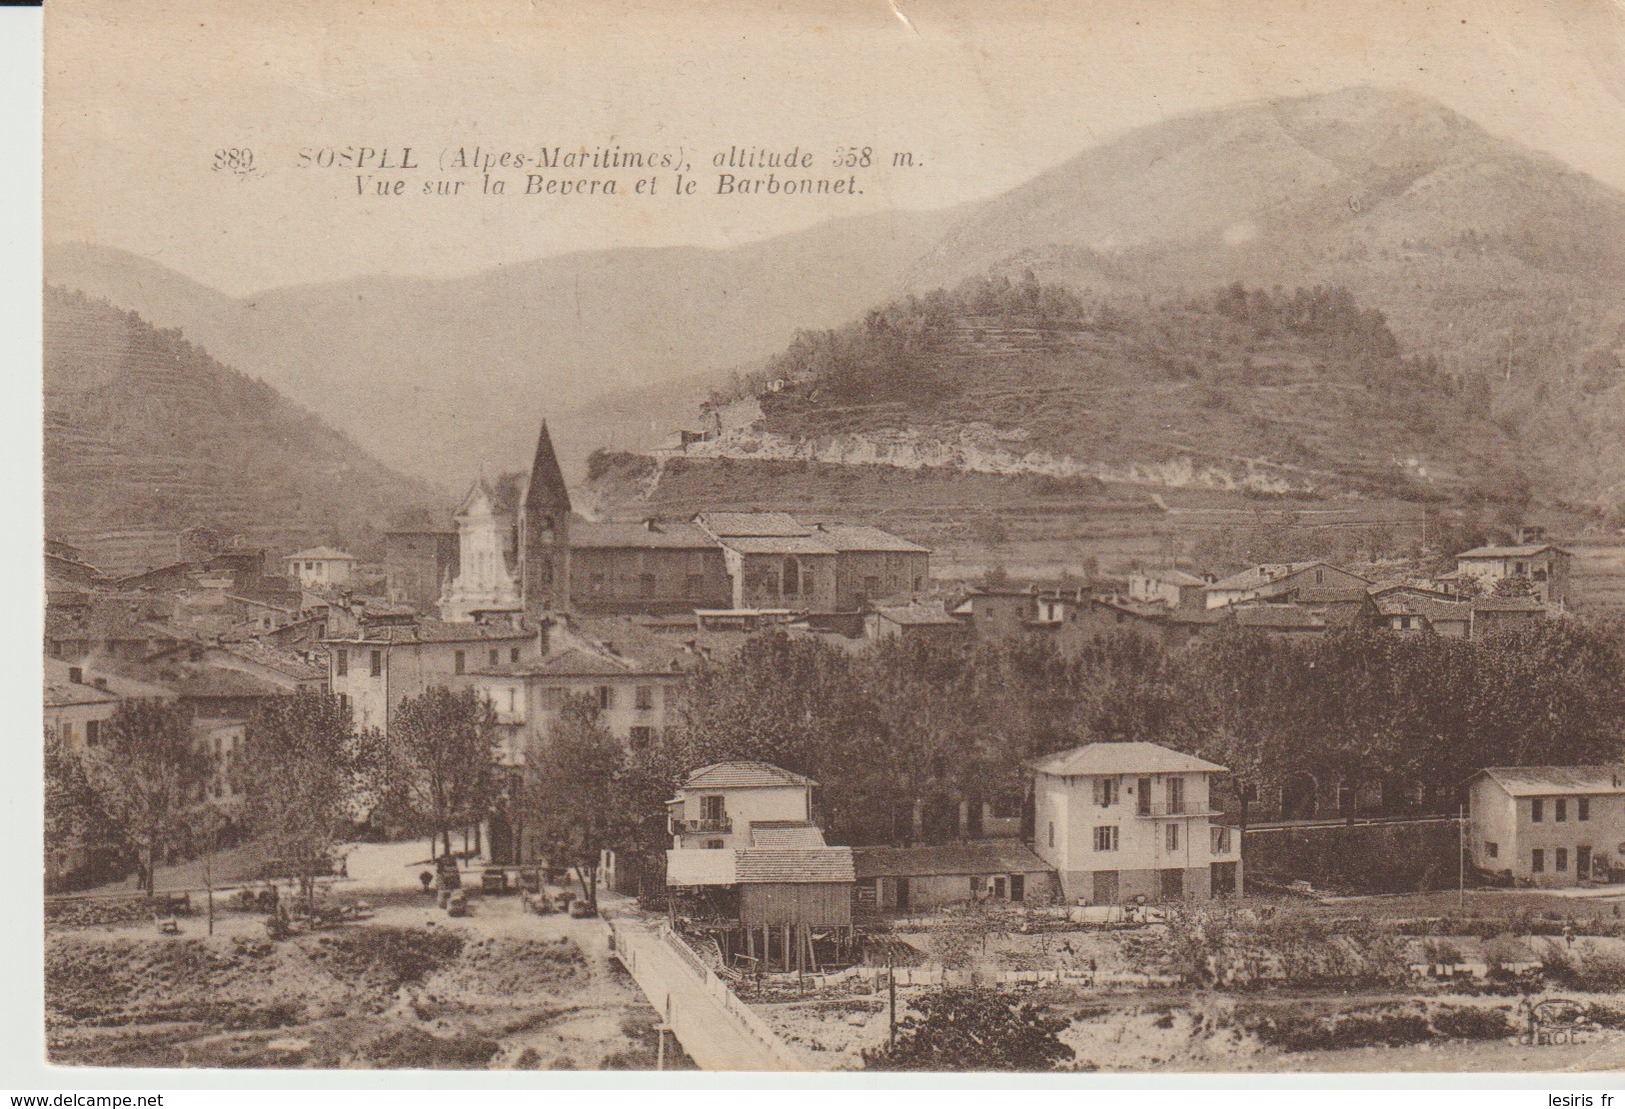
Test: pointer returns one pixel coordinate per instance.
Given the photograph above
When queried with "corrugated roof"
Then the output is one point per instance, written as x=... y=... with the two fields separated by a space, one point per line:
x=785 y=833
x=862 y=537
x=1538 y=781
x=1123 y=758
x=314 y=554
x=956 y=858
x=742 y=524
x=1512 y=552
x=744 y=774
x=635 y=535
x=793 y=864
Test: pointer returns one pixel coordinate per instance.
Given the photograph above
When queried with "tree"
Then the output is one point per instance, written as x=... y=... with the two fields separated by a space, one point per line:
x=1512 y=585
x=583 y=794
x=303 y=768
x=73 y=812
x=974 y=1029
x=439 y=766
x=149 y=774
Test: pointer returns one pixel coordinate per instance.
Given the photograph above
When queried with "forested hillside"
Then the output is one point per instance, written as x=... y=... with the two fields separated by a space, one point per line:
x=145 y=435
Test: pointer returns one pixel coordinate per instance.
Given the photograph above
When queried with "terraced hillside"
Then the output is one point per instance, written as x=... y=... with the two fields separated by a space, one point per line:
x=145 y=435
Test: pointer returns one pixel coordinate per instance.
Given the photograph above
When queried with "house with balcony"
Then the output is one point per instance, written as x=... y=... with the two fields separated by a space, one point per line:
x=749 y=868
x=1121 y=822
x=1548 y=826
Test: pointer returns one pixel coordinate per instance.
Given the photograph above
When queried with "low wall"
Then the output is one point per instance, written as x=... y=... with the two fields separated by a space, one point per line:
x=1389 y=857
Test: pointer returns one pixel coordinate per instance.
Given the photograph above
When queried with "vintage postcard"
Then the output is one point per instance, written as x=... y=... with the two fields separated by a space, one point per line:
x=904 y=535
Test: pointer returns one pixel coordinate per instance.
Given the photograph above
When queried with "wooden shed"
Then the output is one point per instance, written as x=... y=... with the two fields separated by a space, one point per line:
x=811 y=886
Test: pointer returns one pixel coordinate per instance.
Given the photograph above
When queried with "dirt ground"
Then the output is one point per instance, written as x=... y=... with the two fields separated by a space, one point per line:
x=411 y=988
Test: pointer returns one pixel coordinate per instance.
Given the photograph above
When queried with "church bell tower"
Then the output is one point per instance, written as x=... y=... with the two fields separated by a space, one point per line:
x=544 y=535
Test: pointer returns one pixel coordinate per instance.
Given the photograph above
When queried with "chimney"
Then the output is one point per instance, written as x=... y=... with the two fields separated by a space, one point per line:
x=76 y=675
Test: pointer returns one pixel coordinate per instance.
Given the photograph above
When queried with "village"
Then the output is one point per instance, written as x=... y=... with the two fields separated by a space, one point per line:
x=765 y=794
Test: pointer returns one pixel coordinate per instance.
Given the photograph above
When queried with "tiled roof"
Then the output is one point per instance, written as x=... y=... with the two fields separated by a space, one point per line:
x=861 y=537
x=785 y=833
x=635 y=535
x=744 y=775
x=1507 y=604
x=1255 y=577
x=283 y=662
x=1274 y=616
x=1123 y=758
x=778 y=545
x=1435 y=610
x=315 y=554
x=435 y=631
x=739 y=524
x=1173 y=577
x=793 y=864
x=957 y=858
x=61 y=690
x=1538 y=781
x=918 y=614
x=1511 y=552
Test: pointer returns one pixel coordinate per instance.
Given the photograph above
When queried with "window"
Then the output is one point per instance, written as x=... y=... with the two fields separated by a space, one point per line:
x=645 y=698
x=1143 y=801
x=1105 y=792
x=606 y=697
x=495 y=656
x=513 y=654
x=1562 y=858
x=1221 y=840
x=1537 y=810
x=643 y=737
x=646 y=585
x=871 y=586
x=1176 y=795
x=1106 y=838
x=1582 y=808
x=377 y=664
x=67 y=731
x=458 y=663
x=1052 y=833
x=1492 y=850
x=1173 y=837
x=93 y=732
x=344 y=703
x=1560 y=811
x=1537 y=861
x=341 y=663
x=711 y=807
x=713 y=845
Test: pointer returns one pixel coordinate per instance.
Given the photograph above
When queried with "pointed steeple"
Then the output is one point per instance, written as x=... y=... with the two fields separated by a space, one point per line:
x=546 y=490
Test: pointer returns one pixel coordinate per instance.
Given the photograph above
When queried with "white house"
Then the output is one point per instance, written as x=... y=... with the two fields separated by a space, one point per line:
x=321 y=568
x=731 y=811
x=1548 y=825
x=1544 y=566
x=1121 y=821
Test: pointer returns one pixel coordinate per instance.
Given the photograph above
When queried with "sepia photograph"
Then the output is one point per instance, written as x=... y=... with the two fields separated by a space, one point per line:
x=827 y=536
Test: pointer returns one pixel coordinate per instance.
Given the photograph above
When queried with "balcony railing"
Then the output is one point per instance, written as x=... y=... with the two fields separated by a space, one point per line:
x=700 y=827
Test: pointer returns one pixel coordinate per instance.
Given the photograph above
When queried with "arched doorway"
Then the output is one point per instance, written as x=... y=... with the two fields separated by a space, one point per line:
x=1300 y=796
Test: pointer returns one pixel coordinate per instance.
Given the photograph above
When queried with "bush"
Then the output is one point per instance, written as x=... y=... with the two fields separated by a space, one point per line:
x=974 y=1029
x=1586 y=969
x=1471 y=1022
x=1291 y=1029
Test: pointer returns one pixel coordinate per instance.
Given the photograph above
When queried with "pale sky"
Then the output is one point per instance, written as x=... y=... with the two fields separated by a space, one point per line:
x=140 y=95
